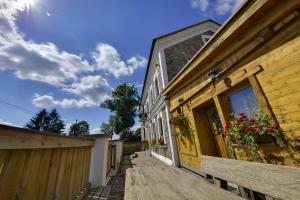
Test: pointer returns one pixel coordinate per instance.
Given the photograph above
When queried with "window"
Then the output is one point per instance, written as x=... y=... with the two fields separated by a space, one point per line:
x=243 y=100
x=156 y=88
x=153 y=131
x=161 y=130
x=205 y=38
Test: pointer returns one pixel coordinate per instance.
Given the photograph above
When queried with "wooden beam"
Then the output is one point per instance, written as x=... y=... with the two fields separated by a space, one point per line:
x=261 y=98
x=18 y=138
x=277 y=181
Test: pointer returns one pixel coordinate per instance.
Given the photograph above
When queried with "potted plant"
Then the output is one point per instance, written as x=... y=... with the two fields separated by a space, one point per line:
x=249 y=132
x=161 y=141
x=182 y=123
x=153 y=142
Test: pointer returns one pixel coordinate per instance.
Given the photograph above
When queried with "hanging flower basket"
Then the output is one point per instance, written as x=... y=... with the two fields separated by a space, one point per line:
x=249 y=132
x=182 y=123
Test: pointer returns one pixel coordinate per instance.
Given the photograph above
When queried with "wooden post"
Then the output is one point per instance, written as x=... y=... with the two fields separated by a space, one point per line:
x=220 y=183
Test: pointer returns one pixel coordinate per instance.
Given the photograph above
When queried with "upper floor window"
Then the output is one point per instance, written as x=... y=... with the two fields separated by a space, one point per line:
x=156 y=88
x=161 y=130
x=243 y=100
x=205 y=38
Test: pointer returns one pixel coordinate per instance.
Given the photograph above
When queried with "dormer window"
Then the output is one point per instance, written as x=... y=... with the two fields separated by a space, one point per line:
x=205 y=38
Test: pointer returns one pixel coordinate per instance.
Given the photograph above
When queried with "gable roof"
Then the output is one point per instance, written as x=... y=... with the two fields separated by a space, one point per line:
x=164 y=36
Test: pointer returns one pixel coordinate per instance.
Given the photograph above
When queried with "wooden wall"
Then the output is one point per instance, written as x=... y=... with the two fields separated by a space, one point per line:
x=271 y=59
x=35 y=171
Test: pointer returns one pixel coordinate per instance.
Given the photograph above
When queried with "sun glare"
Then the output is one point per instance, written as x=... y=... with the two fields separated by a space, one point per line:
x=25 y=4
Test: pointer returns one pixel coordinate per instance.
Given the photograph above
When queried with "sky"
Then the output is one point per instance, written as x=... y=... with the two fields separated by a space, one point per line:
x=71 y=54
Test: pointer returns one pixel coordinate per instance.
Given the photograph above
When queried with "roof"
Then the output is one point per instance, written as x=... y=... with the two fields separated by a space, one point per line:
x=205 y=46
x=164 y=36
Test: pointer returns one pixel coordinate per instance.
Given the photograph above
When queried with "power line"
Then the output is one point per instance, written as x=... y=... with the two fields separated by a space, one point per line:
x=17 y=107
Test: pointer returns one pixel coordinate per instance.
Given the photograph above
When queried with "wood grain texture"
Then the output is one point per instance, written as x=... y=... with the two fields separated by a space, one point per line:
x=150 y=179
x=55 y=173
x=266 y=54
x=281 y=182
x=17 y=138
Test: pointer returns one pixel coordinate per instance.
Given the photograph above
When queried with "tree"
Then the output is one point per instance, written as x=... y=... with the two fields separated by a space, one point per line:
x=137 y=132
x=112 y=127
x=123 y=103
x=79 y=128
x=46 y=122
x=56 y=124
x=39 y=122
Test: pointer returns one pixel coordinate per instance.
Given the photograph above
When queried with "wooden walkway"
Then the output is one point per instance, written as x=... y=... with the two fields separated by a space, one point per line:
x=150 y=179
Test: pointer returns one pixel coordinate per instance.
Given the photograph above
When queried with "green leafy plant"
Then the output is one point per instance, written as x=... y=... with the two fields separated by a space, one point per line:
x=248 y=132
x=182 y=123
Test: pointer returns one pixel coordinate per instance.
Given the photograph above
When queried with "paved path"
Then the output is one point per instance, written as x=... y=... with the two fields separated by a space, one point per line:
x=118 y=184
x=150 y=179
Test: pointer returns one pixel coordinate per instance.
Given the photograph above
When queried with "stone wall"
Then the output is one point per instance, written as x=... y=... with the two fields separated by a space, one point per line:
x=178 y=55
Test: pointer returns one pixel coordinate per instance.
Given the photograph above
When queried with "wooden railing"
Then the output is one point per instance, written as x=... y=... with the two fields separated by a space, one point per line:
x=273 y=181
x=34 y=165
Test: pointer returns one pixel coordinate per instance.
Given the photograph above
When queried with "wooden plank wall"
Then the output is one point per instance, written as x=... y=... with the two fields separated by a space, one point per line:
x=43 y=173
x=274 y=64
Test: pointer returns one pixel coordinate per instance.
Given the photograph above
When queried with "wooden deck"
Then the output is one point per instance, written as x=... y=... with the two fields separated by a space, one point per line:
x=150 y=179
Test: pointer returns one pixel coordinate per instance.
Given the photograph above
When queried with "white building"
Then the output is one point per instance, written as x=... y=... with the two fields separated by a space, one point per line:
x=169 y=54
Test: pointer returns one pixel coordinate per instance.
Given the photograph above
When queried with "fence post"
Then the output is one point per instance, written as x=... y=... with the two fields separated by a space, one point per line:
x=97 y=176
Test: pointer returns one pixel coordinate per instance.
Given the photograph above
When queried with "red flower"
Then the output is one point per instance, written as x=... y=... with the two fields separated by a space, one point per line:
x=270 y=130
x=252 y=121
x=228 y=125
x=244 y=127
x=260 y=127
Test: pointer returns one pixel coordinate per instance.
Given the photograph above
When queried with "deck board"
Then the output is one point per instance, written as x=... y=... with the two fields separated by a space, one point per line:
x=150 y=179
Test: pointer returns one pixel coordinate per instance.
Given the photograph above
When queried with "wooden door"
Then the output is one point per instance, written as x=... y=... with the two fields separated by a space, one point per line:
x=216 y=130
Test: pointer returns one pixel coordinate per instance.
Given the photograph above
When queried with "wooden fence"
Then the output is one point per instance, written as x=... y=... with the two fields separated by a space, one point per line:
x=42 y=166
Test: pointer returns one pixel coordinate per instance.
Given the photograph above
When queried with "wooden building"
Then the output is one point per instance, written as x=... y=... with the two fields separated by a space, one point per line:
x=256 y=55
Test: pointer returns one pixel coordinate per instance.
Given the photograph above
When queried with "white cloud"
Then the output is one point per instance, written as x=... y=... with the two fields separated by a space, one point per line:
x=2 y=121
x=227 y=6
x=28 y=60
x=45 y=62
x=201 y=4
x=219 y=7
x=136 y=126
x=92 y=90
x=95 y=131
x=108 y=59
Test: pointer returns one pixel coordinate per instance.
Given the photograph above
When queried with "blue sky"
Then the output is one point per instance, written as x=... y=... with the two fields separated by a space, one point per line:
x=70 y=54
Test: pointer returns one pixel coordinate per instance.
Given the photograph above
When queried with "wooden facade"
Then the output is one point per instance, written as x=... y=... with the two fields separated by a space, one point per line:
x=259 y=49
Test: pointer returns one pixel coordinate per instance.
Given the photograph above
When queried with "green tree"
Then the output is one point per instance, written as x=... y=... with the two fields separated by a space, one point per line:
x=123 y=103
x=137 y=132
x=46 y=122
x=56 y=124
x=112 y=127
x=39 y=122
x=79 y=128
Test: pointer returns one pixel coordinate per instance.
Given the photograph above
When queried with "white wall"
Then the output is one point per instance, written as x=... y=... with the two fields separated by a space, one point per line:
x=97 y=175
